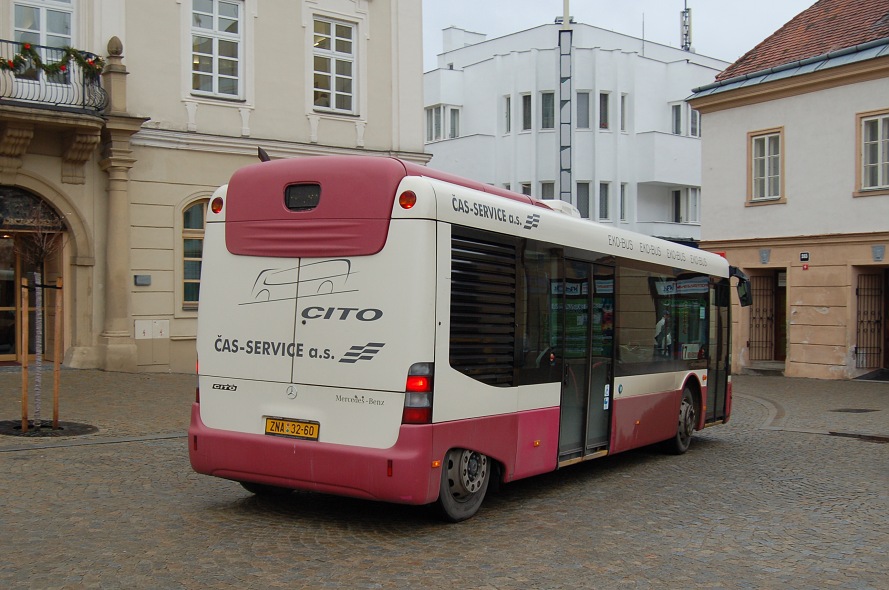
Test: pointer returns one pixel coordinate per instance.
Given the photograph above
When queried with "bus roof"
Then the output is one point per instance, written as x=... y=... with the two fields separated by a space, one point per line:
x=355 y=223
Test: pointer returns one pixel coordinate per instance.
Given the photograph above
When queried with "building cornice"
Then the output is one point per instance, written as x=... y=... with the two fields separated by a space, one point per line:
x=797 y=241
x=241 y=146
x=853 y=73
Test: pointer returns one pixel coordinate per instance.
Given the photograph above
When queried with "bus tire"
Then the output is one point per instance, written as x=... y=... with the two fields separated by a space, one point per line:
x=464 y=481
x=261 y=489
x=688 y=419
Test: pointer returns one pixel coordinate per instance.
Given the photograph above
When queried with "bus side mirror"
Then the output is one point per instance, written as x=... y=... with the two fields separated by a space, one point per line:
x=744 y=293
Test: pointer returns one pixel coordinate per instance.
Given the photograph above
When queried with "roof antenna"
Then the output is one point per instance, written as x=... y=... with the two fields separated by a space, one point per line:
x=263 y=155
x=685 y=28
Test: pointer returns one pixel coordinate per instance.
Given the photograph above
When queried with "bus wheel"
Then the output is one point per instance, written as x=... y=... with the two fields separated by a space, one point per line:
x=261 y=489
x=688 y=419
x=464 y=481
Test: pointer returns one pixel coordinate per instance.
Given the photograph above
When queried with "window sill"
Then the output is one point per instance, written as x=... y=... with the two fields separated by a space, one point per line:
x=216 y=99
x=332 y=113
x=760 y=202
x=872 y=192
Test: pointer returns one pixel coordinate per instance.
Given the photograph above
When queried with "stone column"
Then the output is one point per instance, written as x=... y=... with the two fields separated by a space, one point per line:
x=117 y=344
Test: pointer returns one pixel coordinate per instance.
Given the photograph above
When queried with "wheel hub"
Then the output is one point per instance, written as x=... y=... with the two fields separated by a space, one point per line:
x=468 y=473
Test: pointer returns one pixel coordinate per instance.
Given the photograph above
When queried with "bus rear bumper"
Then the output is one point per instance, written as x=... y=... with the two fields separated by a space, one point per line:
x=402 y=473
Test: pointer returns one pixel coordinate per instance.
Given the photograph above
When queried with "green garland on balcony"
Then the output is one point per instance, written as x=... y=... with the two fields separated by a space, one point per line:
x=29 y=57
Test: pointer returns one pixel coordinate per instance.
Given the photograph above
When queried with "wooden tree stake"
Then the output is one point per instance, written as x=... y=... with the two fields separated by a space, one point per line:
x=24 y=353
x=57 y=352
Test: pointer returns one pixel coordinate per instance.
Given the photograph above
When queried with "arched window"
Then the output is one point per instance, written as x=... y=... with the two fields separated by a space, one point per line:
x=192 y=252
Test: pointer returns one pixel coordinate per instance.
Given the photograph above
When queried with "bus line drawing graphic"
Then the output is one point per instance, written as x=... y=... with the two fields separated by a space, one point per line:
x=327 y=277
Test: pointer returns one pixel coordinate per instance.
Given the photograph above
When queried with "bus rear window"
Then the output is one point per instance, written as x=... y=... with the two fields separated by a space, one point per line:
x=302 y=197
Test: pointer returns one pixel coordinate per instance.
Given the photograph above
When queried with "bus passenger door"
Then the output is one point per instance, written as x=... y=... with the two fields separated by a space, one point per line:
x=719 y=357
x=601 y=354
x=584 y=318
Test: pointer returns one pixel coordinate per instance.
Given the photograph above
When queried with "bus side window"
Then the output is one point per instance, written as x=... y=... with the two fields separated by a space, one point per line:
x=538 y=358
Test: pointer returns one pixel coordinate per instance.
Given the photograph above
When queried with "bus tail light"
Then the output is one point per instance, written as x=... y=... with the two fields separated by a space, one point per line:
x=197 y=382
x=216 y=205
x=418 y=395
x=407 y=199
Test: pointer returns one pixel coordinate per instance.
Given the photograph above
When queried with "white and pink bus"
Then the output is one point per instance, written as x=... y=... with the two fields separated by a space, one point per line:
x=373 y=328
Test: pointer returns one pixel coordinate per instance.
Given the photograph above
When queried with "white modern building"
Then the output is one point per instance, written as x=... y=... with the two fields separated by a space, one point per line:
x=584 y=114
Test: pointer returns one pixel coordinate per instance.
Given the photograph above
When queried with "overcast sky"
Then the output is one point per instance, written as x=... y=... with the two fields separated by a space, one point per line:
x=724 y=29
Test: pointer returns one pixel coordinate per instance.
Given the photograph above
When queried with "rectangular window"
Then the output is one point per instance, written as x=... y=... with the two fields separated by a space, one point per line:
x=526 y=112
x=623 y=201
x=44 y=23
x=430 y=124
x=623 y=112
x=665 y=316
x=685 y=205
x=694 y=123
x=454 y=123
x=547 y=110
x=875 y=152
x=526 y=188
x=583 y=199
x=694 y=198
x=676 y=110
x=508 y=112
x=765 y=166
x=442 y=122
x=216 y=42
x=603 y=110
x=583 y=110
x=334 y=63
x=604 y=197
x=547 y=190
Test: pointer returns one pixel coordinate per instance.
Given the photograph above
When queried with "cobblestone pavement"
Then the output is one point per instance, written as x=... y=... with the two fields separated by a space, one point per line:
x=771 y=500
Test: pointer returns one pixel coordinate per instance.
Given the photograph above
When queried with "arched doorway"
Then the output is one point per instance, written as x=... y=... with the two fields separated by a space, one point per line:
x=31 y=239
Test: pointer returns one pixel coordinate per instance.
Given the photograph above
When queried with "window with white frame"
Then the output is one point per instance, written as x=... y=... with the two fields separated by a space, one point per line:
x=583 y=199
x=694 y=122
x=193 y=218
x=44 y=22
x=604 y=198
x=685 y=205
x=583 y=110
x=603 y=110
x=526 y=188
x=333 y=55
x=526 y=112
x=508 y=113
x=216 y=47
x=875 y=152
x=547 y=190
x=547 y=110
x=765 y=165
x=623 y=201
x=442 y=122
x=623 y=112
x=676 y=119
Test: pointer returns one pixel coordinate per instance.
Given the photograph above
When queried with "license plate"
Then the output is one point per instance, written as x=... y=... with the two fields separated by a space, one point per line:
x=305 y=429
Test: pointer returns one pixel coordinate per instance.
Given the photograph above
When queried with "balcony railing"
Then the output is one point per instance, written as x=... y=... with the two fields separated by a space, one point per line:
x=50 y=77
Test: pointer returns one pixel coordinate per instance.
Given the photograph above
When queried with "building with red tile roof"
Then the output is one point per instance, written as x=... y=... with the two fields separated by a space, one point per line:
x=824 y=27
x=795 y=191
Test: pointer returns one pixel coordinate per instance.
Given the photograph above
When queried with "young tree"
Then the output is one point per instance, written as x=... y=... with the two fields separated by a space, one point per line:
x=40 y=241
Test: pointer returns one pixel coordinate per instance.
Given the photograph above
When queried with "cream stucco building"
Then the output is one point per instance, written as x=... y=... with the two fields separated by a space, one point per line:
x=796 y=171
x=121 y=165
